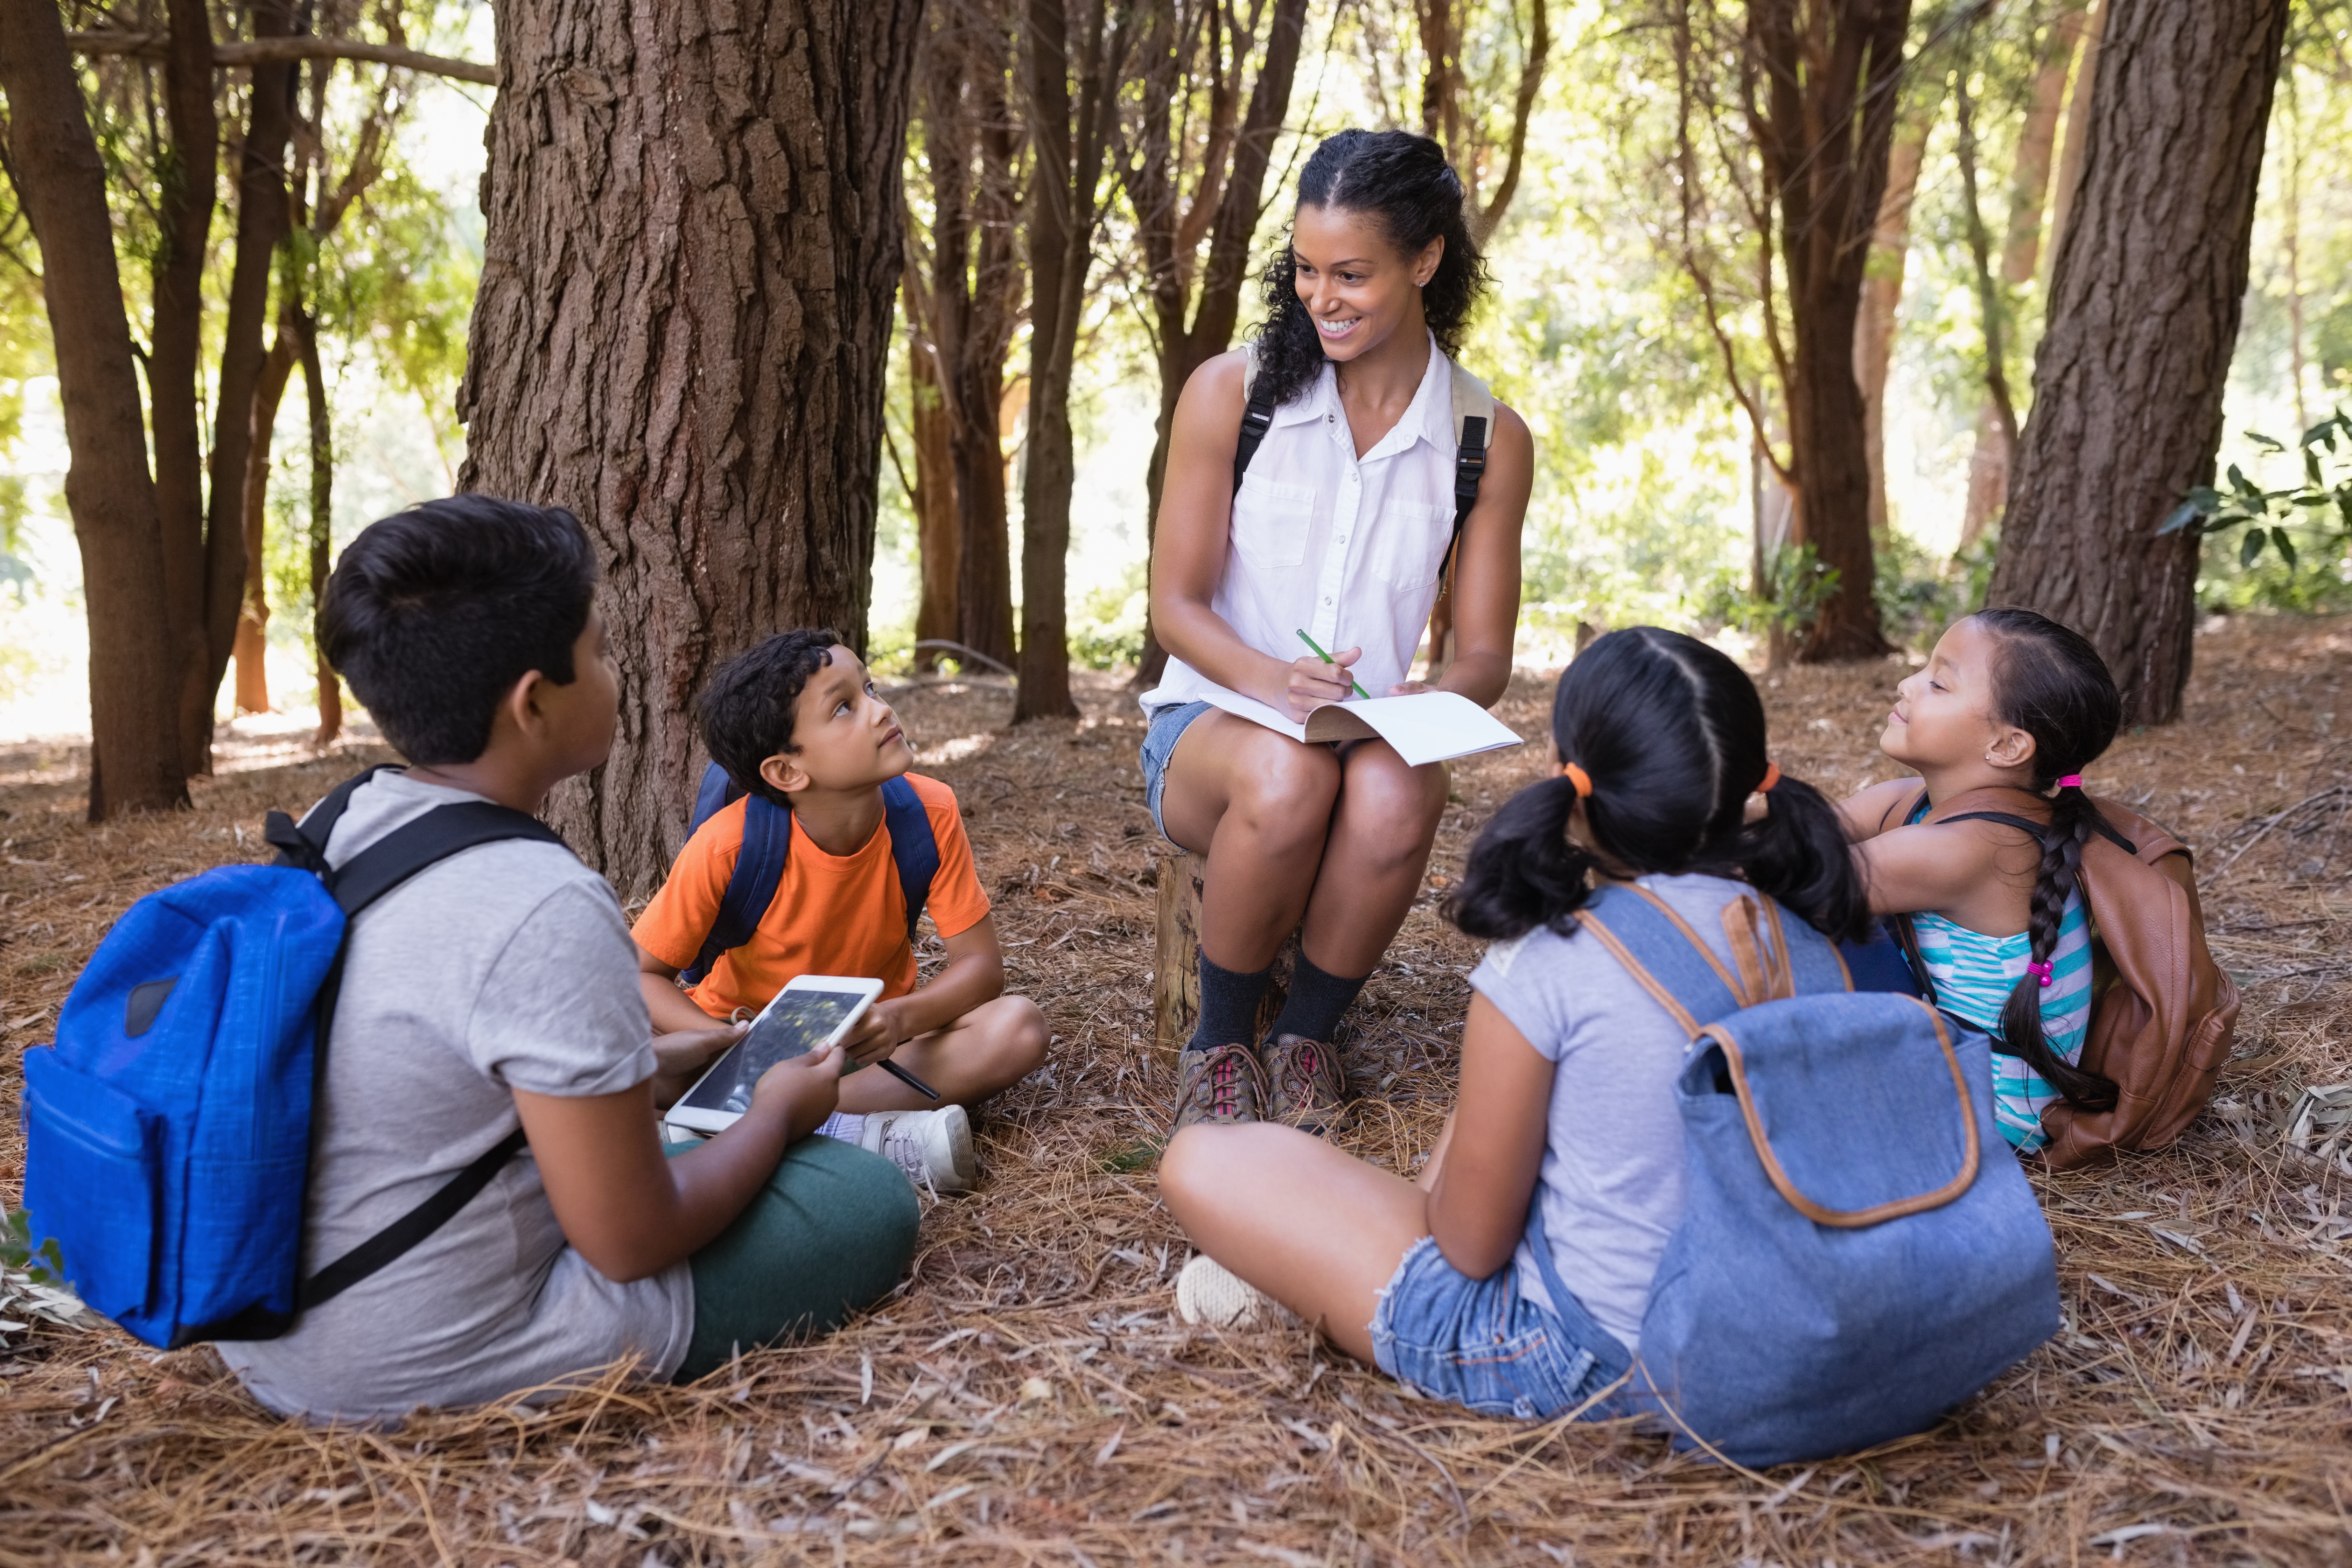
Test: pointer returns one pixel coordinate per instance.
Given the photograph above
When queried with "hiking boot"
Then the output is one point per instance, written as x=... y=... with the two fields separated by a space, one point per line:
x=1310 y=1090
x=1222 y=1086
x=1208 y=1293
x=933 y=1147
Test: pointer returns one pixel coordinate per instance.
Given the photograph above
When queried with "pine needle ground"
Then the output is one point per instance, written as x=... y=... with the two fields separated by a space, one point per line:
x=1030 y=1398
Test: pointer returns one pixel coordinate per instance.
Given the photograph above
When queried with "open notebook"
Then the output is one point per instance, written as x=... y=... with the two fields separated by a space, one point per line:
x=1425 y=727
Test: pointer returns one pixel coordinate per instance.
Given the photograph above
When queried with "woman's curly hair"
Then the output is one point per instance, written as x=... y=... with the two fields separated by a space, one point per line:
x=1404 y=181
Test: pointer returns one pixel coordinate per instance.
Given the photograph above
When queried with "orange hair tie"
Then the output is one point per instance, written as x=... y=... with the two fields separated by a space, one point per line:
x=1771 y=777
x=1577 y=780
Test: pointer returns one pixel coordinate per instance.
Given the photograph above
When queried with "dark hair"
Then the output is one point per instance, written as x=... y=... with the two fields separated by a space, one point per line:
x=432 y=613
x=1404 y=181
x=2049 y=682
x=1671 y=733
x=746 y=712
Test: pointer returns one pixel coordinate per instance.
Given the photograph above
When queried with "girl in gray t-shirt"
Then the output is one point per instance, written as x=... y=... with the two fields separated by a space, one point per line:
x=1511 y=1279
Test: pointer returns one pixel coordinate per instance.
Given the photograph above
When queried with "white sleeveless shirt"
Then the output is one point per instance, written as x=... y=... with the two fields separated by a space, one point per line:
x=1346 y=548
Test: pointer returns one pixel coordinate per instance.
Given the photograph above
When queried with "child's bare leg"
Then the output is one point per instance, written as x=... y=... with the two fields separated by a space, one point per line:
x=1259 y=806
x=991 y=1047
x=1373 y=861
x=1318 y=1230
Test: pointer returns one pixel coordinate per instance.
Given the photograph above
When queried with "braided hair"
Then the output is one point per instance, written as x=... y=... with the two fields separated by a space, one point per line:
x=1405 y=182
x=2049 y=682
x=1670 y=732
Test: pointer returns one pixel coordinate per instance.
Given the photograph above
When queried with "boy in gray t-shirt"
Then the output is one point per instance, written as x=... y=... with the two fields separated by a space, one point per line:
x=498 y=988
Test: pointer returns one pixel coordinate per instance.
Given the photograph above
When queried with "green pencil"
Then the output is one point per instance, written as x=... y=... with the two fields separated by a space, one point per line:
x=1329 y=659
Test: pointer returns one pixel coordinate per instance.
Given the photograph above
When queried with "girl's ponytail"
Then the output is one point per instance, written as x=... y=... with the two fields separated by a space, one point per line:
x=1797 y=853
x=1523 y=871
x=2072 y=820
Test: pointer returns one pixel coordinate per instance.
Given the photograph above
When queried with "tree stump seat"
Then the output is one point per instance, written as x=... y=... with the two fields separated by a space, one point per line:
x=1176 y=957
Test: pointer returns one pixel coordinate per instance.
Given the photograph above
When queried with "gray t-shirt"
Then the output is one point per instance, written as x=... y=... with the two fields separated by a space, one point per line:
x=506 y=966
x=1611 y=1186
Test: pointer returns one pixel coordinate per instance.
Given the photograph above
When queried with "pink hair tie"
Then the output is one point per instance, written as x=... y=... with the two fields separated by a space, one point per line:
x=2071 y=781
x=2040 y=969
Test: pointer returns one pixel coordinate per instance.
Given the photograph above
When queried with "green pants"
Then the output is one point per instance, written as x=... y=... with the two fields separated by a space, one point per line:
x=832 y=1231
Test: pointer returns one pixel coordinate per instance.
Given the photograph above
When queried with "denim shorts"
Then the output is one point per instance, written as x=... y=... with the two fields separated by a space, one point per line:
x=1481 y=1344
x=1168 y=727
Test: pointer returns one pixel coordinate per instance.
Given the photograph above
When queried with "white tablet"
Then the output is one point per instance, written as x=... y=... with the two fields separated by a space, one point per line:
x=810 y=1013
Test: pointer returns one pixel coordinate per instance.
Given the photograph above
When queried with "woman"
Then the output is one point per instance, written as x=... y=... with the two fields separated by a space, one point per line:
x=1339 y=531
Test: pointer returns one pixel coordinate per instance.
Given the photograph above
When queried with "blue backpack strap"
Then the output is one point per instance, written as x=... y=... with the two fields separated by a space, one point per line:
x=913 y=845
x=717 y=792
x=759 y=872
x=1662 y=954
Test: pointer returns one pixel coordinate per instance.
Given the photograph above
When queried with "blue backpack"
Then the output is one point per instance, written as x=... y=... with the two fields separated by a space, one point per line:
x=768 y=838
x=1859 y=1253
x=167 y=1131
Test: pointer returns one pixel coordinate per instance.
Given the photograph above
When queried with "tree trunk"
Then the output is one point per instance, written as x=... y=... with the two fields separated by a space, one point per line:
x=136 y=762
x=175 y=362
x=253 y=621
x=693 y=243
x=261 y=225
x=2069 y=175
x=1231 y=183
x=1882 y=293
x=322 y=519
x=933 y=501
x=1824 y=130
x=2144 y=313
x=1064 y=181
x=2020 y=256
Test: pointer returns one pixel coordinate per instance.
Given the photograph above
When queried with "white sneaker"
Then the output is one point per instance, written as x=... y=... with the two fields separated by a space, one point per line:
x=1210 y=1294
x=933 y=1147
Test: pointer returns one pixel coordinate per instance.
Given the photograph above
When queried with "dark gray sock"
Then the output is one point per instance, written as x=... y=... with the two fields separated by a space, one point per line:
x=1316 y=1001
x=1228 y=1007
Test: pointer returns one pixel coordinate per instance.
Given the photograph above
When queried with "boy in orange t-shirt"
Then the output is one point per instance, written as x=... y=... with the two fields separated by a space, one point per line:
x=797 y=721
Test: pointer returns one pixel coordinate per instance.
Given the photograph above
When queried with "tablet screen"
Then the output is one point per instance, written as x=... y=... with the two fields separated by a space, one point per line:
x=794 y=1026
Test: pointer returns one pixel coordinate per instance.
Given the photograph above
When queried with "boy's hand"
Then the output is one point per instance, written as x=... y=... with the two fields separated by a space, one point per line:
x=876 y=1035
x=681 y=1055
x=805 y=1088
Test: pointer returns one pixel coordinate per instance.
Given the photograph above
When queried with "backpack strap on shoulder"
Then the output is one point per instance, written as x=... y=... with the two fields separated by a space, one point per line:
x=1258 y=418
x=2099 y=824
x=304 y=845
x=1664 y=955
x=913 y=846
x=431 y=839
x=751 y=887
x=1474 y=426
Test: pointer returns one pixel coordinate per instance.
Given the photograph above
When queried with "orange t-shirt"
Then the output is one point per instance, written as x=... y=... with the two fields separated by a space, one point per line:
x=832 y=914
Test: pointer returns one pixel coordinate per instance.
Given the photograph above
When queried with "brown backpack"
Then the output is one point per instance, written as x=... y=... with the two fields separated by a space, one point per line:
x=2161 y=1010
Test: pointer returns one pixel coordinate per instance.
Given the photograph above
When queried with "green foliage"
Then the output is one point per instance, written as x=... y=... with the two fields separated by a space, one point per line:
x=41 y=1265
x=1107 y=631
x=1789 y=601
x=2282 y=525
x=1920 y=592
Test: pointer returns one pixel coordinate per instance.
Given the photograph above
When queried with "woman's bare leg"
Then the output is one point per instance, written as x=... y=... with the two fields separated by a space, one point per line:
x=1259 y=804
x=1375 y=858
x=1318 y=1230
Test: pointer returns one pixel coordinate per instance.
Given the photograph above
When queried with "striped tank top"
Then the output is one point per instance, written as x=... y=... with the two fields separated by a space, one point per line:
x=1973 y=975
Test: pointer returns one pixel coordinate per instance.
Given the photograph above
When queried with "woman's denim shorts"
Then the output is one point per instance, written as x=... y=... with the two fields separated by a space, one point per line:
x=1168 y=727
x=1479 y=1343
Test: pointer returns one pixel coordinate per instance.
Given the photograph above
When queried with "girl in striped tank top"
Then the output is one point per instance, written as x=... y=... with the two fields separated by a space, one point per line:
x=2011 y=700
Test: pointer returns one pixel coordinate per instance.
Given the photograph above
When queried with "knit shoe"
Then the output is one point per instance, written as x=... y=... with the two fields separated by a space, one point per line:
x=933 y=1147
x=1211 y=1295
x=1222 y=1086
x=1309 y=1089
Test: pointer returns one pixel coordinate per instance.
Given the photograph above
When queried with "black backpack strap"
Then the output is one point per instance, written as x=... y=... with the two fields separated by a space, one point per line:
x=2036 y=829
x=304 y=845
x=913 y=845
x=1258 y=418
x=401 y=1235
x=429 y=839
x=751 y=887
x=1469 y=469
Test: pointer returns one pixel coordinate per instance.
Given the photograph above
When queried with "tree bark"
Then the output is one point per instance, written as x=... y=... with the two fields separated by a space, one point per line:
x=1193 y=327
x=2020 y=256
x=322 y=517
x=933 y=498
x=261 y=225
x=2069 y=175
x=1882 y=294
x=1823 y=130
x=2144 y=313
x=252 y=651
x=136 y=762
x=692 y=247
x=1065 y=185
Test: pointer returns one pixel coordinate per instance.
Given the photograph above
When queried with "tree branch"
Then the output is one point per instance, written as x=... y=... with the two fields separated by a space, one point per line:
x=272 y=51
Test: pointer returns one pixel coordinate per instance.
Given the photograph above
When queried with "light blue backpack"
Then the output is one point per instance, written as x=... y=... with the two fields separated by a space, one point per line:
x=1860 y=1252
